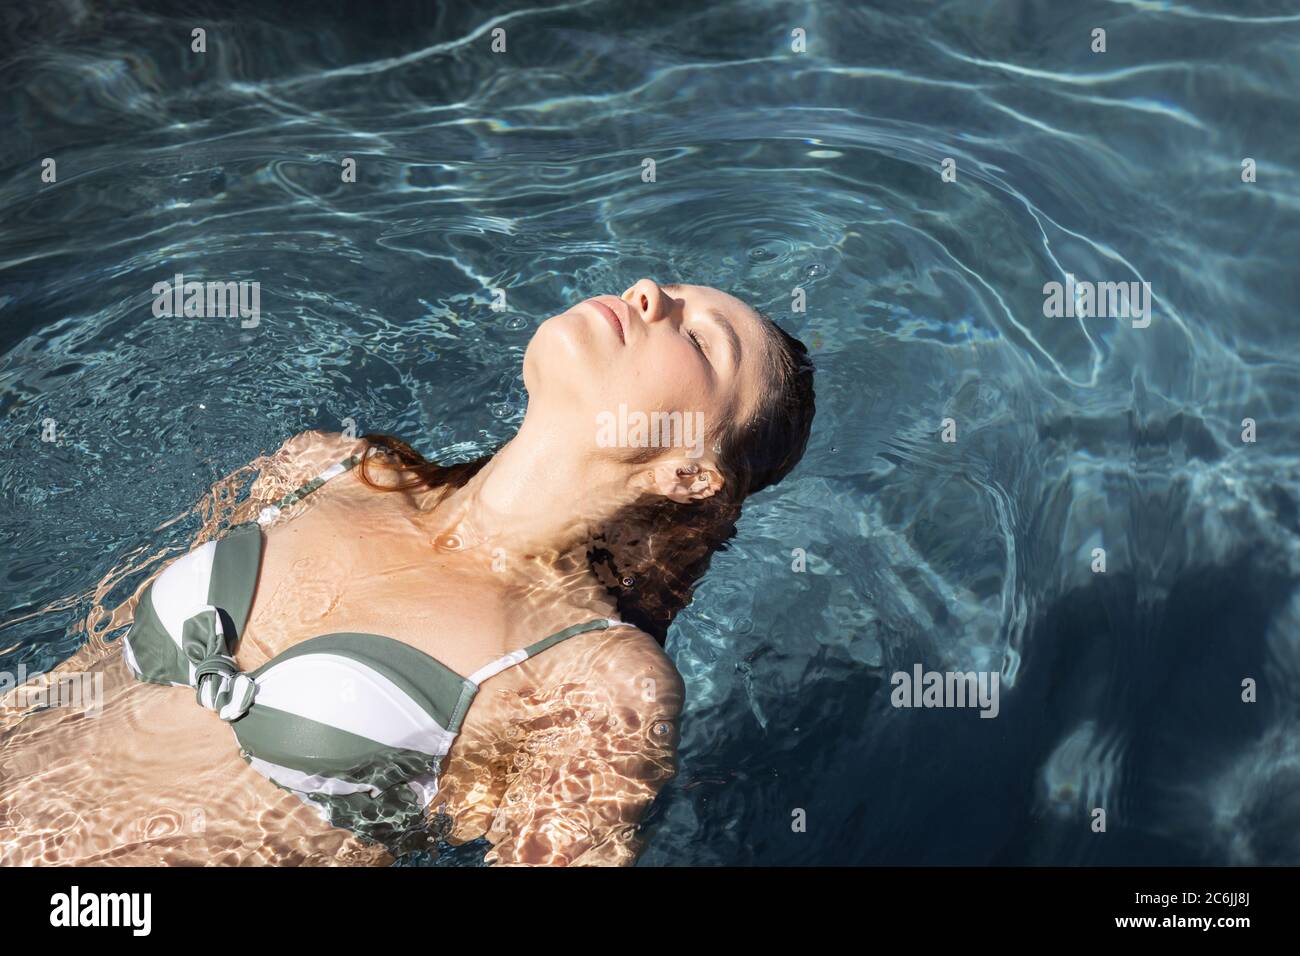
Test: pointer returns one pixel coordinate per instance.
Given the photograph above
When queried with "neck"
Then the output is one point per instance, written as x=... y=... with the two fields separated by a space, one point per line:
x=535 y=496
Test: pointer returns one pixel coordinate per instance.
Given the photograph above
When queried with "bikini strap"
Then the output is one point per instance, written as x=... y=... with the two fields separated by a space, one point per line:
x=532 y=650
x=271 y=512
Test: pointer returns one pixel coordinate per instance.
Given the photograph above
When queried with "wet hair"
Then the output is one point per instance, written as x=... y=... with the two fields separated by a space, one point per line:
x=651 y=555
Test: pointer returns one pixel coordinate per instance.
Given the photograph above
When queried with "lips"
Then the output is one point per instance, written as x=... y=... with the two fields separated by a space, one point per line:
x=611 y=317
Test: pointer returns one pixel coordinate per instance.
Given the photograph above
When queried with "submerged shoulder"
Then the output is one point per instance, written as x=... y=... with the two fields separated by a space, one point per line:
x=321 y=448
x=639 y=674
x=304 y=456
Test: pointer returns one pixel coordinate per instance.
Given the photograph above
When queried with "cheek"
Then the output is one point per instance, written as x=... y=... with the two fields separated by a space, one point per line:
x=666 y=379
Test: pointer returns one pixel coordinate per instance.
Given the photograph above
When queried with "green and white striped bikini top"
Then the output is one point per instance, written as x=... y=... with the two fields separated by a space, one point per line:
x=356 y=725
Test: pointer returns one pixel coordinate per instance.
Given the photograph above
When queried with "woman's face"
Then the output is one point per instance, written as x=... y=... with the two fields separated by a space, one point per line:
x=653 y=350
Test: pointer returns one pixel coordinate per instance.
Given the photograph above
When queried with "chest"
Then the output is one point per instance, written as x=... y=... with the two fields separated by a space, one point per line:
x=357 y=563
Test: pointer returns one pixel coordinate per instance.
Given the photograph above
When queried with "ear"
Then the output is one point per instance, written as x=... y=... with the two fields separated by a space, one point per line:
x=685 y=479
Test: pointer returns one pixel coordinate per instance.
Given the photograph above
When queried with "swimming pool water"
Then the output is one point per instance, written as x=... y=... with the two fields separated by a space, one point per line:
x=774 y=170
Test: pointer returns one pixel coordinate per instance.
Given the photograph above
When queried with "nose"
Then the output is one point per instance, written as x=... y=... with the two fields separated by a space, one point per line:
x=648 y=300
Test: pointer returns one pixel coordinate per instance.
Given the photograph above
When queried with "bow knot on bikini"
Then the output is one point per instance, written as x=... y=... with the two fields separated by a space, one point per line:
x=218 y=682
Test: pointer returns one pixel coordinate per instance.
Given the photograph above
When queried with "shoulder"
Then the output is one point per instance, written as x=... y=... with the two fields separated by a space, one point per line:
x=638 y=674
x=304 y=456
x=318 y=449
x=580 y=794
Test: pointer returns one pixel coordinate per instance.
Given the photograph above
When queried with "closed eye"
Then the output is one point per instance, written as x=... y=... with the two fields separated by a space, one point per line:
x=695 y=337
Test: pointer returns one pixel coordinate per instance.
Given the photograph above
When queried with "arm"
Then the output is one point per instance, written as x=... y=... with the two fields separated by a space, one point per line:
x=595 y=764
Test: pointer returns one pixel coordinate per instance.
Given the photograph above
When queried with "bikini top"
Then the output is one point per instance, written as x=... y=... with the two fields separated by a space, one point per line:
x=354 y=725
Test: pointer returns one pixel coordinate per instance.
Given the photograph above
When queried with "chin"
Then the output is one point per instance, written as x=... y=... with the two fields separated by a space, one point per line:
x=560 y=351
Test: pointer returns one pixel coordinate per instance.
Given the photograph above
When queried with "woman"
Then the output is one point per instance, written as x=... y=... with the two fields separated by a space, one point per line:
x=331 y=635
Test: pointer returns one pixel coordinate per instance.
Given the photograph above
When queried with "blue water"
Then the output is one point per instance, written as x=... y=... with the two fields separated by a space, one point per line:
x=924 y=302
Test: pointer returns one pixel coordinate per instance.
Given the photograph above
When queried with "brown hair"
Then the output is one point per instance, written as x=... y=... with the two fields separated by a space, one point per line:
x=652 y=554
